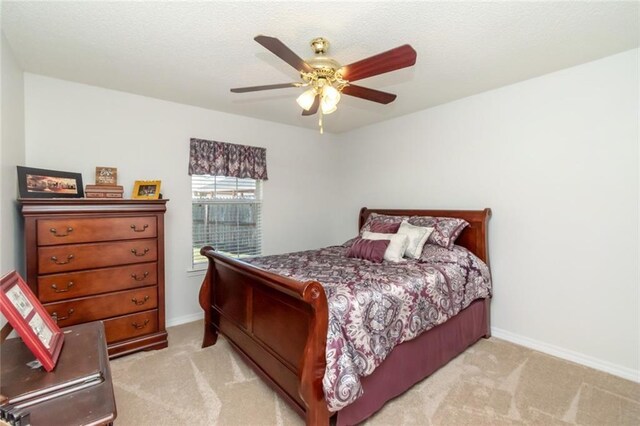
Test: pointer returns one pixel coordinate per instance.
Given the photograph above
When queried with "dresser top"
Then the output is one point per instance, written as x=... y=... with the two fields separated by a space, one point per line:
x=63 y=205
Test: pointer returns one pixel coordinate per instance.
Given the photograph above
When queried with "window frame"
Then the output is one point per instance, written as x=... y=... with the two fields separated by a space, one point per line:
x=199 y=263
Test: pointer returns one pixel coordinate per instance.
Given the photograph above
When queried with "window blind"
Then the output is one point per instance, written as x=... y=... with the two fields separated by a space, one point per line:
x=226 y=214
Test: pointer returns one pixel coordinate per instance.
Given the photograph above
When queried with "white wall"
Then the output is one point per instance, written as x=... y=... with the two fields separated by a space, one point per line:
x=556 y=158
x=12 y=153
x=76 y=127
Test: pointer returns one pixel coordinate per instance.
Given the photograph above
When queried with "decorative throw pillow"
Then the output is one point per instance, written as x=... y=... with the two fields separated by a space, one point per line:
x=372 y=250
x=381 y=219
x=446 y=229
x=384 y=228
x=417 y=235
x=397 y=244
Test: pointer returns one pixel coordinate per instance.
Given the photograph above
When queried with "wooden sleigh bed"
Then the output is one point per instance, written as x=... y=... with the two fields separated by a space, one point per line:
x=279 y=326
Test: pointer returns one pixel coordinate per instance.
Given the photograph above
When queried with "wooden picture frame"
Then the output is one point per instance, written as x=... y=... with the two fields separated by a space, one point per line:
x=146 y=190
x=43 y=183
x=30 y=320
x=106 y=176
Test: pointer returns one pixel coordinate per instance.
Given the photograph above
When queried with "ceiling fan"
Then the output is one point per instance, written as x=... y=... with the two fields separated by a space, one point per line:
x=326 y=79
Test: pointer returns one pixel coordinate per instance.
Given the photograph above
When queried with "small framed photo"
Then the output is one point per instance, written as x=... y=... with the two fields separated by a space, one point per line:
x=106 y=176
x=30 y=320
x=42 y=183
x=146 y=189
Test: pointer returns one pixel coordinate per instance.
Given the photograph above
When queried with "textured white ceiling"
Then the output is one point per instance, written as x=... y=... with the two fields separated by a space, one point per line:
x=193 y=53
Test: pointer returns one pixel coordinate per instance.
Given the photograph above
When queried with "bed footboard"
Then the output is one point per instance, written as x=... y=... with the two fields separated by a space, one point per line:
x=279 y=325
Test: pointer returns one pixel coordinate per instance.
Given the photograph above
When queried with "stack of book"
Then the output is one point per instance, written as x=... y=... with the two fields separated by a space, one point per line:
x=103 y=191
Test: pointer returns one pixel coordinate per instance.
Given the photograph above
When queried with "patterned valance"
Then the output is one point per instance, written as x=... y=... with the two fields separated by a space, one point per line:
x=227 y=159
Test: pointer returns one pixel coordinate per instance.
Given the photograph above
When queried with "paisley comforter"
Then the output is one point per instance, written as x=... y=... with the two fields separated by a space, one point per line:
x=374 y=307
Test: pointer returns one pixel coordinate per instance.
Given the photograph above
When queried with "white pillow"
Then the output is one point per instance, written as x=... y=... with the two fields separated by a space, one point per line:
x=397 y=244
x=417 y=235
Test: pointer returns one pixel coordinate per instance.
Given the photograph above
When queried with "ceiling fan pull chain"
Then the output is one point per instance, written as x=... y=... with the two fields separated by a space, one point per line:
x=320 y=121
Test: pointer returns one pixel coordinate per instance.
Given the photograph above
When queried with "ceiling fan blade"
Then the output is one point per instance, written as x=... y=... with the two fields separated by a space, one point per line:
x=391 y=60
x=279 y=49
x=314 y=107
x=368 y=94
x=267 y=87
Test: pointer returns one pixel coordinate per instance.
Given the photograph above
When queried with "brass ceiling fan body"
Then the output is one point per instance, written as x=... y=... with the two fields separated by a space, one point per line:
x=327 y=79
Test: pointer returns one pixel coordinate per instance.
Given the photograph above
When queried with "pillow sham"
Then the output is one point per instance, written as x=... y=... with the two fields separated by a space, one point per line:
x=417 y=236
x=380 y=219
x=446 y=229
x=384 y=228
x=397 y=244
x=372 y=250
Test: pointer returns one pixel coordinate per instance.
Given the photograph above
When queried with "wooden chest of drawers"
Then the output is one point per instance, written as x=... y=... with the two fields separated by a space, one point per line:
x=100 y=259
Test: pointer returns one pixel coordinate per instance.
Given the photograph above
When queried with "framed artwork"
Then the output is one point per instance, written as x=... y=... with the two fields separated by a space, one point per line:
x=30 y=320
x=146 y=189
x=41 y=183
x=106 y=176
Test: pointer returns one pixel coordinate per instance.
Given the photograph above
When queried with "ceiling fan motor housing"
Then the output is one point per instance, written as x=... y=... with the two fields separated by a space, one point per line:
x=324 y=67
x=319 y=61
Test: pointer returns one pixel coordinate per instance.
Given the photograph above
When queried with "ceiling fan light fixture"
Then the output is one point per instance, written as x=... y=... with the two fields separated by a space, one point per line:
x=306 y=99
x=327 y=109
x=326 y=79
x=330 y=94
x=330 y=99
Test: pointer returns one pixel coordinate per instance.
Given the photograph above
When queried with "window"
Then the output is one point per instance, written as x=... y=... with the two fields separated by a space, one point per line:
x=226 y=215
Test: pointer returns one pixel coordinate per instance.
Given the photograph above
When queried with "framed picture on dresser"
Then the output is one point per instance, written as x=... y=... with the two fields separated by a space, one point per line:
x=146 y=190
x=42 y=183
x=30 y=320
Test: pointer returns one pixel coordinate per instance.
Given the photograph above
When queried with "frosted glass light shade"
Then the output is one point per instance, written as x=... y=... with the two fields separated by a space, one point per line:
x=330 y=99
x=327 y=108
x=330 y=95
x=306 y=99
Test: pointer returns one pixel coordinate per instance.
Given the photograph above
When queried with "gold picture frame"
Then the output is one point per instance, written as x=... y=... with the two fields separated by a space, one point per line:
x=146 y=190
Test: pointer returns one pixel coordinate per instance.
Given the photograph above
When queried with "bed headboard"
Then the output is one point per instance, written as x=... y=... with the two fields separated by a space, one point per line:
x=474 y=237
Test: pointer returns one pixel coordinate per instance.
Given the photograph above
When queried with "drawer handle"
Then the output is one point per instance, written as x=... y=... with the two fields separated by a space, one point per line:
x=135 y=252
x=54 y=259
x=62 y=290
x=56 y=318
x=140 y=302
x=135 y=229
x=54 y=231
x=139 y=326
x=135 y=276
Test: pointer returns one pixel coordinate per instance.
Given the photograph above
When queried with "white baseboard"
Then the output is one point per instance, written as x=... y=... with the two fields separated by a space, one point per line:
x=569 y=355
x=185 y=319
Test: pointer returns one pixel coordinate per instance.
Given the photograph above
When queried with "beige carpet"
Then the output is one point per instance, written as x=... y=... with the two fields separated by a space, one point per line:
x=492 y=383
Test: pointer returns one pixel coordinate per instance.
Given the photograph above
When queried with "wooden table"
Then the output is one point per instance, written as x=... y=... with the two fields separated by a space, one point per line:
x=84 y=353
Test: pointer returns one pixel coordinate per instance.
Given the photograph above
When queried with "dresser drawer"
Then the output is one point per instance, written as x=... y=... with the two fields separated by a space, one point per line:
x=86 y=309
x=129 y=326
x=73 y=257
x=69 y=231
x=77 y=284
